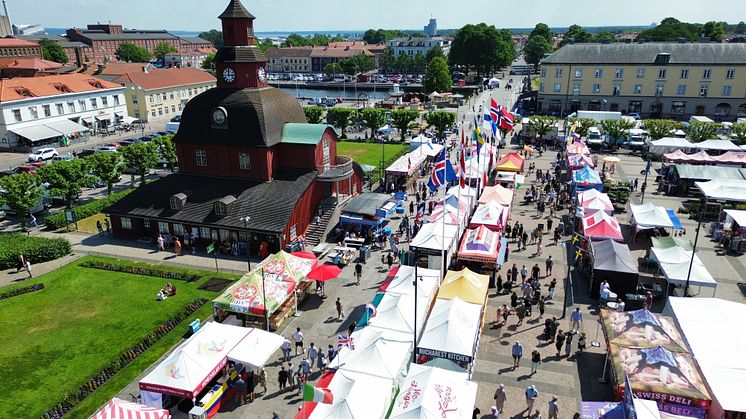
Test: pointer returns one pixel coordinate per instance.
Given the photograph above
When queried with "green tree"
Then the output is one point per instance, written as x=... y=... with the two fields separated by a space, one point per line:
x=437 y=78
x=332 y=69
x=341 y=118
x=107 y=168
x=387 y=62
x=576 y=33
x=373 y=118
x=132 y=53
x=360 y=63
x=481 y=47
x=740 y=28
x=535 y=49
x=403 y=62
x=209 y=61
x=52 y=51
x=440 y=120
x=660 y=128
x=700 y=131
x=671 y=29
x=67 y=178
x=714 y=30
x=419 y=63
x=141 y=157
x=265 y=44
x=166 y=150
x=401 y=119
x=541 y=125
x=605 y=36
x=21 y=192
x=214 y=36
x=433 y=52
x=616 y=129
x=542 y=30
x=313 y=114
x=582 y=125
x=739 y=133
x=162 y=49
x=380 y=36
x=295 y=40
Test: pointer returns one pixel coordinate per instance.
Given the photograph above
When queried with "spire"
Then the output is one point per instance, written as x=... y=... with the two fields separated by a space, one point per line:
x=235 y=10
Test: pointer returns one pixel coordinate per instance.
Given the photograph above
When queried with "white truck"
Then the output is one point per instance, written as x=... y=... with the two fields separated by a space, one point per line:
x=597 y=115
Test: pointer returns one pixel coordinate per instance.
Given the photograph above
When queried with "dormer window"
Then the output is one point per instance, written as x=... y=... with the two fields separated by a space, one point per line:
x=62 y=88
x=22 y=91
x=223 y=205
x=178 y=201
x=95 y=83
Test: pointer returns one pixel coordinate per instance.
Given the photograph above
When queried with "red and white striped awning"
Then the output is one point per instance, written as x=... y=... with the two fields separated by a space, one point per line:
x=122 y=409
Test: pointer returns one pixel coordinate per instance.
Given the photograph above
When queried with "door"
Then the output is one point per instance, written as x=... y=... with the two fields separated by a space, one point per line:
x=655 y=110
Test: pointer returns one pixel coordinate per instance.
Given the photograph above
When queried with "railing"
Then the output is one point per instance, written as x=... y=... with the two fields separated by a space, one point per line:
x=342 y=169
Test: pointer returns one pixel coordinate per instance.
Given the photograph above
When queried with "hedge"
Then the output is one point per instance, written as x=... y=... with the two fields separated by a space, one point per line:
x=20 y=291
x=58 y=220
x=35 y=249
x=147 y=270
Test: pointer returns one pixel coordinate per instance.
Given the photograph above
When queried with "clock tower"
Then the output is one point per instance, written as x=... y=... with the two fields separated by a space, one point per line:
x=239 y=64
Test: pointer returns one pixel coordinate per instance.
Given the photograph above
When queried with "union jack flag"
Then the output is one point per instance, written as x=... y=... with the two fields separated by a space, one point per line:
x=344 y=340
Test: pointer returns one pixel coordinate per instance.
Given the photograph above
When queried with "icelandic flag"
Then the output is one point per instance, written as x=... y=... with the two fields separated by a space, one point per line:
x=370 y=310
x=442 y=173
x=344 y=340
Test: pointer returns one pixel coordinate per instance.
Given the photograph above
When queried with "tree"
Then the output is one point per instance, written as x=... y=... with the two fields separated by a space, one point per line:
x=542 y=30
x=582 y=125
x=671 y=29
x=714 y=30
x=660 y=128
x=167 y=150
x=441 y=120
x=52 y=51
x=340 y=118
x=332 y=69
x=132 y=53
x=67 y=178
x=380 y=36
x=700 y=131
x=141 y=157
x=387 y=62
x=360 y=63
x=541 y=125
x=739 y=133
x=437 y=78
x=401 y=119
x=209 y=61
x=481 y=47
x=616 y=129
x=313 y=114
x=162 y=49
x=403 y=62
x=535 y=49
x=433 y=52
x=21 y=192
x=741 y=28
x=419 y=63
x=577 y=34
x=265 y=44
x=214 y=36
x=107 y=168
x=373 y=118
x=605 y=36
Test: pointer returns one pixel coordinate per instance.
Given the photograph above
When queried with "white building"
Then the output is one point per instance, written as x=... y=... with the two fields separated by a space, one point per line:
x=185 y=59
x=413 y=45
x=49 y=111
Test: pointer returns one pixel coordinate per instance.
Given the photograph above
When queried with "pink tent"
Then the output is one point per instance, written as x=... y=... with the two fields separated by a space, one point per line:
x=122 y=409
x=450 y=215
x=677 y=156
x=491 y=215
x=701 y=157
x=601 y=225
x=731 y=157
x=578 y=148
x=593 y=200
x=480 y=244
x=577 y=161
x=497 y=193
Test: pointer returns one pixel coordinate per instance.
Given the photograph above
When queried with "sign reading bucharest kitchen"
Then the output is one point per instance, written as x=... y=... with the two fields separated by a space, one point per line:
x=443 y=354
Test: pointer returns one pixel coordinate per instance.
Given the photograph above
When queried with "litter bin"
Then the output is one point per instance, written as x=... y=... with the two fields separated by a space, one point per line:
x=364 y=254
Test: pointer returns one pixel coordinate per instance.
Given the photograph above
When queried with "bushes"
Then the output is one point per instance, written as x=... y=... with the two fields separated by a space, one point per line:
x=147 y=270
x=58 y=220
x=20 y=291
x=35 y=249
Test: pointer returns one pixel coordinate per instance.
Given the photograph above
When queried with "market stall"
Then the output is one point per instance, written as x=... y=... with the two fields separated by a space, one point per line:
x=480 y=245
x=256 y=348
x=355 y=395
x=498 y=194
x=367 y=210
x=677 y=156
x=122 y=409
x=668 y=241
x=247 y=298
x=716 y=145
x=679 y=179
x=613 y=262
x=578 y=161
x=436 y=240
x=379 y=357
x=366 y=337
x=668 y=145
x=283 y=266
x=466 y=193
x=510 y=162
x=592 y=200
x=578 y=148
x=452 y=332
x=678 y=264
x=434 y=393
x=449 y=215
x=396 y=312
x=600 y=225
x=466 y=285
x=586 y=178
x=737 y=158
x=648 y=216
x=400 y=172
x=491 y=215
x=427 y=282
x=730 y=232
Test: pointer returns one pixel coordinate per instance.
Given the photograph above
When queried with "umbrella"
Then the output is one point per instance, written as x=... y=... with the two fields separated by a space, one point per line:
x=306 y=255
x=324 y=272
x=611 y=159
x=528 y=149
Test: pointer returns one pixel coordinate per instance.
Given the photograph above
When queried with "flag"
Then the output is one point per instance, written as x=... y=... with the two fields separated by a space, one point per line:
x=463 y=137
x=370 y=310
x=462 y=168
x=575 y=136
x=506 y=119
x=316 y=394
x=409 y=163
x=438 y=177
x=494 y=110
x=344 y=340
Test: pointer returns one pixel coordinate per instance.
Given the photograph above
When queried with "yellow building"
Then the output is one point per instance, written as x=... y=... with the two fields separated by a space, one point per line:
x=655 y=80
x=157 y=94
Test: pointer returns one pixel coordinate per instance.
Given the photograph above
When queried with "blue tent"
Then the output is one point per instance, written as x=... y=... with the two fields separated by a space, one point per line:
x=586 y=178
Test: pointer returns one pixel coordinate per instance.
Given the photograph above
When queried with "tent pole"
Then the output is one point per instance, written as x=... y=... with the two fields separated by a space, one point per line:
x=694 y=249
x=602 y=378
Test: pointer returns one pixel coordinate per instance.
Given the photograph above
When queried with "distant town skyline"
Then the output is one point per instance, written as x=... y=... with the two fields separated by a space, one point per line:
x=324 y=15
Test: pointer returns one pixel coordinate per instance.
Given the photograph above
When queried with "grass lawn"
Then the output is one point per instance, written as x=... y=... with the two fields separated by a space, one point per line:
x=369 y=153
x=88 y=225
x=54 y=339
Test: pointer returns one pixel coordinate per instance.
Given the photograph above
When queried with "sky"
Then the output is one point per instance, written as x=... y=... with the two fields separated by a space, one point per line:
x=305 y=15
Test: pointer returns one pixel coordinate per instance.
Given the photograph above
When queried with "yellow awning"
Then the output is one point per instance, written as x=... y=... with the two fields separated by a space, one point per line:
x=466 y=285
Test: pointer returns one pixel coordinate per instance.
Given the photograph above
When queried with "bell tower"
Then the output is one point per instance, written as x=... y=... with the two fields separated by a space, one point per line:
x=239 y=64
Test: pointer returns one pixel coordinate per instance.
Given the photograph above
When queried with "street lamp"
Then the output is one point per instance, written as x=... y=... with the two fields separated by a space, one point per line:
x=246 y=220
x=414 y=324
x=703 y=202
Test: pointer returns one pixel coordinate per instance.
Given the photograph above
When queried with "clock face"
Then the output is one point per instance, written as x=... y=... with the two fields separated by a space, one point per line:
x=262 y=74
x=229 y=75
x=218 y=116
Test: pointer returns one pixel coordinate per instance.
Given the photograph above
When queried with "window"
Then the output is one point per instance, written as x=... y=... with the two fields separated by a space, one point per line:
x=17 y=115
x=557 y=87
x=34 y=112
x=729 y=74
x=47 y=110
x=678 y=108
x=541 y=87
x=204 y=232
x=94 y=103
x=105 y=101
x=176 y=203
x=116 y=100
x=619 y=73
x=60 y=109
x=126 y=223
x=146 y=223
x=640 y=73
x=557 y=72
x=244 y=161
x=706 y=73
x=71 y=106
x=726 y=90
x=578 y=73
x=598 y=73
x=151 y=99
x=659 y=89
x=616 y=90
x=82 y=105
x=221 y=208
x=134 y=98
x=543 y=72
x=163 y=227
x=152 y=112
x=160 y=111
x=190 y=92
x=576 y=89
x=596 y=88
x=684 y=73
x=173 y=108
x=637 y=89
x=165 y=109
x=704 y=89
x=179 y=229
x=201 y=156
x=172 y=95
x=163 y=96
x=661 y=73
x=681 y=89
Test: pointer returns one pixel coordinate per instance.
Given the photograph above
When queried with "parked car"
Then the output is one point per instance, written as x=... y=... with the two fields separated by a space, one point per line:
x=64 y=157
x=86 y=152
x=177 y=118
x=635 y=116
x=105 y=149
x=26 y=168
x=43 y=154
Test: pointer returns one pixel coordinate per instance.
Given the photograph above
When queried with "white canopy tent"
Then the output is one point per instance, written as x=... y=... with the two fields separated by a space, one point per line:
x=668 y=144
x=381 y=357
x=491 y=215
x=713 y=328
x=396 y=312
x=674 y=263
x=647 y=216
x=429 y=149
x=355 y=396
x=365 y=337
x=428 y=282
x=433 y=239
x=255 y=349
x=452 y=330
x=723 y=189
x=737 y=216
x=720 y=145
x=434 y=393
x=466 y=193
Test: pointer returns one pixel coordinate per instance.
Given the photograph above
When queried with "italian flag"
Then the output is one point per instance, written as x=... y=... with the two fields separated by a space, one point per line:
x=320 y=395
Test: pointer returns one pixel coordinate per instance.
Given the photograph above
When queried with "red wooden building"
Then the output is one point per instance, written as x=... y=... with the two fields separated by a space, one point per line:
x=245 y=151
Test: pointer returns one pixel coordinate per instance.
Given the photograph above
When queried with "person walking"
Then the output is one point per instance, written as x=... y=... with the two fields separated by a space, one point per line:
x=549 y=264
x=99 y=228
x=552 y=287
x=358 y=273
x=161 y=241
x=531 y=394
x=538 y=248
x=240 y=386
x=553 y=408
x=340 y=315
x=535 y=361
x=541 y=308
x=285 y=350
x=536 y=415
x=559 y=341
x=499 y=397
x=520 y=312
x=321 y=360
x=262 y=380
x=177 y=247
x=524 y=273
x=282 y=378
x=568 y=344
x=576 y=319
x=107 y=225
x=298 y=338
x=313 y=353
x=581 y=342
x=517 y=352
x=27 y=267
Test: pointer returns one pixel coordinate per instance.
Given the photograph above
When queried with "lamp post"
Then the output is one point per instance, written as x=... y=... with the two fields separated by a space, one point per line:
x=414 y=324
x=648 y=167
x=246 y=220
x=264 y=301
x=694 y=249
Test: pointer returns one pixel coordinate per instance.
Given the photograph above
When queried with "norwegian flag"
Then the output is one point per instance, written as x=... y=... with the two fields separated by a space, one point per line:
x=463 y=137
x=494 y=111
x=344 y=340
x=506 y=119
x=462 y=168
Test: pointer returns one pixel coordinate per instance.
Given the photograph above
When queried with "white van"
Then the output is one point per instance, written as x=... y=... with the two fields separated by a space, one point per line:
x=595 y=139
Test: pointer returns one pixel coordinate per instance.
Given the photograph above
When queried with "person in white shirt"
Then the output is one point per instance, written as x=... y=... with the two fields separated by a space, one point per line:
x=298 y=338
x=285 y=350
